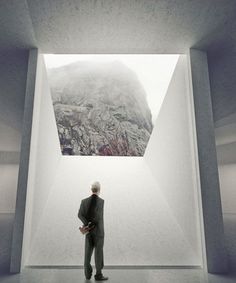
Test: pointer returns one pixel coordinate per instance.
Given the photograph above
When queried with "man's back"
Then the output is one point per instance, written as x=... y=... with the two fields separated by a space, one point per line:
x=91 y=210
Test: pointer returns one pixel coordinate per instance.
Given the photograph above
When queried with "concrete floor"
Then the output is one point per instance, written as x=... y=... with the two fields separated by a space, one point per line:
x=37 y=275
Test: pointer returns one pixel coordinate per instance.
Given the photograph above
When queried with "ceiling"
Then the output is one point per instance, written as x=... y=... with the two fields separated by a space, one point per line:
x=119 y=26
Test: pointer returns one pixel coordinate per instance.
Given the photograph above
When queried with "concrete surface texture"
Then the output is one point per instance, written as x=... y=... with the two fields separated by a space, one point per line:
x=18 y=227
x=226 y=154
x=13 y=70
x=6 y=227
x=121 y=26
x=13 y=67
x=210 y=188
x=35 y=275
x=222 y=65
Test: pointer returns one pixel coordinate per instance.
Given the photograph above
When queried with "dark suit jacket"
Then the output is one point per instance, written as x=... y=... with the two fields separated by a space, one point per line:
x=84 y=214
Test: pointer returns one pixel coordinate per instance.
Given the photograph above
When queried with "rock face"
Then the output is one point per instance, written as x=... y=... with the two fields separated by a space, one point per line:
x=100 y=109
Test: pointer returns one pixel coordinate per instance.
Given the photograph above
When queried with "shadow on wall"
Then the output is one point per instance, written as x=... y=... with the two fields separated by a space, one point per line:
x=6 y=228
x=13 y=74
x=230 y=237
x=226 y=155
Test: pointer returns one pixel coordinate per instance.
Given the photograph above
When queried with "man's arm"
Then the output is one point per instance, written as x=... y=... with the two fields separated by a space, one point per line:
x=81 y=214
x=102 y=208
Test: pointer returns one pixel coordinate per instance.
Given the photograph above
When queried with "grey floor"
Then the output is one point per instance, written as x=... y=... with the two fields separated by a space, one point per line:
x=33 y=275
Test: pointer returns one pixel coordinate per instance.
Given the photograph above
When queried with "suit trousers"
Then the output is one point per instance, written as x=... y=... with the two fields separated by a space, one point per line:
x=93 y=242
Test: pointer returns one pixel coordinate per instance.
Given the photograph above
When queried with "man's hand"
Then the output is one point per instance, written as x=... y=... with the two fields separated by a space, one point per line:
x=86 y=229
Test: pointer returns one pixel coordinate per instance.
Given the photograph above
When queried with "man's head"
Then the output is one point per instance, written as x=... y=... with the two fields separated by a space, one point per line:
x=95 y=188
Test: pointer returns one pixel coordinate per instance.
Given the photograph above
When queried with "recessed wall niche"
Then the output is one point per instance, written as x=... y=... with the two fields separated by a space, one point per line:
x=107 y=105
x=158 y=190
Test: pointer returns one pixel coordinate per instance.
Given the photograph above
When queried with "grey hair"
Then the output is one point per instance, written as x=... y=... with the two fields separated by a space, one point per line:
x=95 y=187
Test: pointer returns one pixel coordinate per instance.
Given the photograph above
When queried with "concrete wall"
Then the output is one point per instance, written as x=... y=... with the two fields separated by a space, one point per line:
x=222 y=69
x=170 y=154
x=10 y=137
x=13 y=72
x=210 y=188
x=226 y=153
x=9 y=165
x=133 y=196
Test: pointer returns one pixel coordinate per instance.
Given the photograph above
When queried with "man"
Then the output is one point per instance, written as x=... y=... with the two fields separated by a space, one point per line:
x=91 y=213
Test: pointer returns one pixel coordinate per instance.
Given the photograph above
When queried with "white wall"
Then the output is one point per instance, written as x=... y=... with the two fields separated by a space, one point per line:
x=140 y=225
x=170 y=154
x=44 y=155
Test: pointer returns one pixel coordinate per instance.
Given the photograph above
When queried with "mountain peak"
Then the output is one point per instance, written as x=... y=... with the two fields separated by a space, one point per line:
x=100 y=109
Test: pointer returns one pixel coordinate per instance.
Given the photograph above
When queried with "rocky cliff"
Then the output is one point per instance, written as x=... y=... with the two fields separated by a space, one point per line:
x=100 y=109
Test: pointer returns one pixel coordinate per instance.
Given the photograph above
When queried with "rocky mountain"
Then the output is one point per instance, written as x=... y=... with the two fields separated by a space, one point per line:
x=100 y=109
